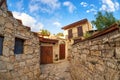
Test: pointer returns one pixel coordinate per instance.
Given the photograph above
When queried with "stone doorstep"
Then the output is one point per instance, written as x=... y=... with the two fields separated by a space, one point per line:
x=59 y=61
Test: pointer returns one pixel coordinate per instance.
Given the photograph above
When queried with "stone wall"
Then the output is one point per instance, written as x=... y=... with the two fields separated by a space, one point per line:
x=97 y=58
x=23 y=66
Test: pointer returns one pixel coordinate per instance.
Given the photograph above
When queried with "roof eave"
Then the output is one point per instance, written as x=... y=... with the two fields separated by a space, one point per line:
x=74 y=24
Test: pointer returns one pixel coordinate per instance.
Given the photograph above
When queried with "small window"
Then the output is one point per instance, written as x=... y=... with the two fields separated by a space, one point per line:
x=19 y=43
x=80 y=31
x=1 y=44
x=70 y=35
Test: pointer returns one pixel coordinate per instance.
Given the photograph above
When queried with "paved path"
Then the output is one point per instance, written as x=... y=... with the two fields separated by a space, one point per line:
x=56 y=71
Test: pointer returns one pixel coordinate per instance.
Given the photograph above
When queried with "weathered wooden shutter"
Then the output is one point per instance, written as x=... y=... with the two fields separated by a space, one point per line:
x=70 y=35
x=1 y=44
x=18 y=49
x=80 y=31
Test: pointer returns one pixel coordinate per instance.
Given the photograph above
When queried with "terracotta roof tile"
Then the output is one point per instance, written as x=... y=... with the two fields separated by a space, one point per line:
x=46 y=40
x=112 y=28
x=75 y=24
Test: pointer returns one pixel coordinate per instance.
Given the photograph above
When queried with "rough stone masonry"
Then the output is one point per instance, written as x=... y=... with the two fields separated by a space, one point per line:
x=97 y=58
x=24 y=66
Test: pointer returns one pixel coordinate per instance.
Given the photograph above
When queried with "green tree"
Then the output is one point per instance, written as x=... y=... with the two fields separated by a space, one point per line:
x=118 y=22
x=103 y=20
x=44 y=32
x=59 y=34
x=87 y=35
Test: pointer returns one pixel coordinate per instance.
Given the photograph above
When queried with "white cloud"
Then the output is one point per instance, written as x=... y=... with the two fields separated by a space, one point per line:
x=28 y=20
x=34 y=7
x=51 y=3
x=70 y=6
x=44 y=5
x=57 y=24
x=84 y=4
x=117 y=5
x=19 y=5
x=109 y=5
x=92 y=10
x=104 y=7
x=91 y=7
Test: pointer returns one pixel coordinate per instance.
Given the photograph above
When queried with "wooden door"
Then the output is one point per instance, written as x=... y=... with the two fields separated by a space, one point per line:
x=62 y=51
x=46 y=54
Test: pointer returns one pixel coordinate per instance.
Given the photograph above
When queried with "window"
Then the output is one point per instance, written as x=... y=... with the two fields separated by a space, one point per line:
x=70 y=35
x=80 y=31
x=18 y=48
x=1 y=44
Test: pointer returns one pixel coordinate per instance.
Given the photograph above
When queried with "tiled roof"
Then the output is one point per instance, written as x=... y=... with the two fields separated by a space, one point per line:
x=46 y=40
x=75 y=24
x=111 y=28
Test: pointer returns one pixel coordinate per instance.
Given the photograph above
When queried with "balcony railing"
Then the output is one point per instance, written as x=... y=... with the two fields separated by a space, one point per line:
x=74 y=35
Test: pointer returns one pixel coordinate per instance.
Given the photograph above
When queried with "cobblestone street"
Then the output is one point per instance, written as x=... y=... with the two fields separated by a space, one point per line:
x=56 y=71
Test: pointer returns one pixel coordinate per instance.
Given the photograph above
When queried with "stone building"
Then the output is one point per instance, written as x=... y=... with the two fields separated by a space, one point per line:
x=52 y=50
x=19 y=48
x=75 y=32
x=49 y=48
x=98 y=57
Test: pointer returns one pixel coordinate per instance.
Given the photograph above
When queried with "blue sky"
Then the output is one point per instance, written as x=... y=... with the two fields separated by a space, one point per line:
x=54 y=14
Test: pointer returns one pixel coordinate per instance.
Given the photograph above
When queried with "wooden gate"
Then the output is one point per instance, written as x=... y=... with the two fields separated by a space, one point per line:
x=46 y=54
x=62 y=51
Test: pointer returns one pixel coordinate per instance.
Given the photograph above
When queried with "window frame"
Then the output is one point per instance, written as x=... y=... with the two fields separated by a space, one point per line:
x=70 y=34
x=19 y=46
x=80 y=31
x=1 y=48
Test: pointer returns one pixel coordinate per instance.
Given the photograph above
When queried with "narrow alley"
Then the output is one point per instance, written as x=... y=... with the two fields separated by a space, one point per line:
x=56 y=71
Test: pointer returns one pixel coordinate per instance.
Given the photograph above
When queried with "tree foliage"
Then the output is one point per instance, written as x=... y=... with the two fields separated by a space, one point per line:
x=103 y=20
x=44 y=32
x=87 y=35
x=59 y=34
x=118 y=22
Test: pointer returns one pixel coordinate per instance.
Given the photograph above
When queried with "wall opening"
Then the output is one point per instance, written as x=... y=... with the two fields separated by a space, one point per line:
x=19 y=45
x=1 y=44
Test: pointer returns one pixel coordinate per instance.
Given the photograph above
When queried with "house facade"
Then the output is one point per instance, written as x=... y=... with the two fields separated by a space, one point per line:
x=52 y=50
x=48 y=48
x=75 y=32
